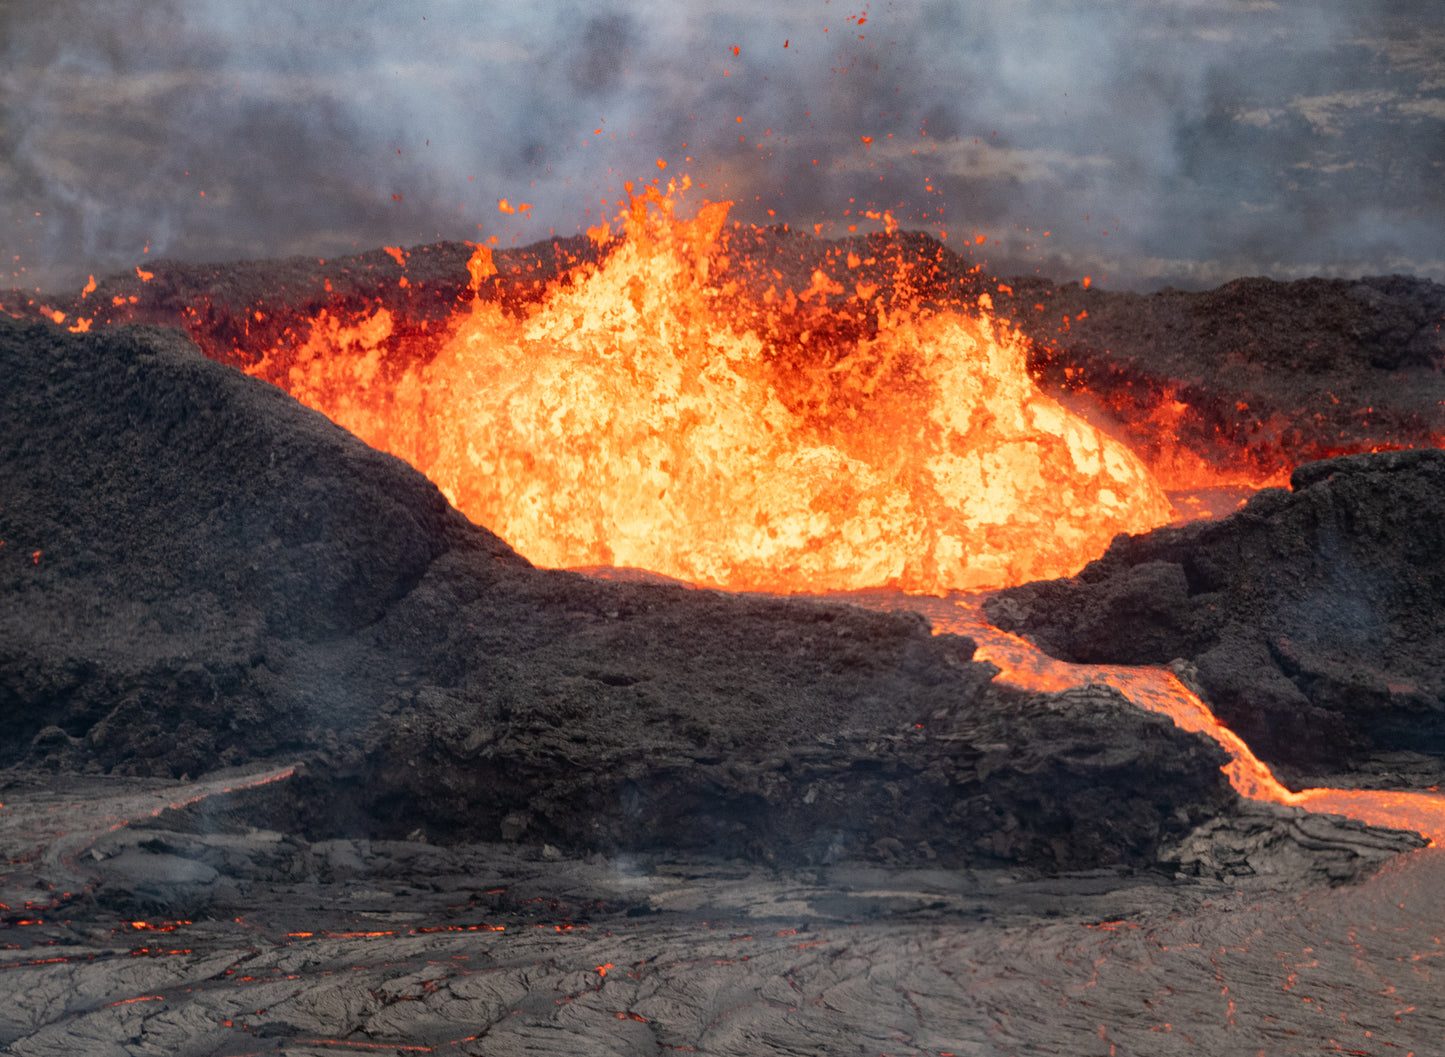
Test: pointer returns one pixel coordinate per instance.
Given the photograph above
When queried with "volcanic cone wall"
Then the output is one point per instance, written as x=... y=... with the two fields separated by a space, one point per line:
x=197 y=571
x=1246 y=381
x=1314 y=615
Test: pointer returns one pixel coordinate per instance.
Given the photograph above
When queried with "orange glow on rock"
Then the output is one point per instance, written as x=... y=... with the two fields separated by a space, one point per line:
x=646 y=414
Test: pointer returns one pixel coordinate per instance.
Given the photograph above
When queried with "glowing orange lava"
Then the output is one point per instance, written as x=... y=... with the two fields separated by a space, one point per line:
x=646 y=414
x=1159 y=690
x=815 y=438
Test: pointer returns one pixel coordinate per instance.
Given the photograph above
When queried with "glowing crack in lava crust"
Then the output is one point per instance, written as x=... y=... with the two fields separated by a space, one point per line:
x=646 y=413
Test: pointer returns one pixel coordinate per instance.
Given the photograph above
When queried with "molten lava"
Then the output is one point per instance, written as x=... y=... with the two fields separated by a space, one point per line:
x=1159 y=690
x=667 y=411
x=646 y=413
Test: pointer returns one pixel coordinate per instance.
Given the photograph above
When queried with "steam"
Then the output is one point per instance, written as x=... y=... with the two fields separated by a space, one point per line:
x=1184 y=142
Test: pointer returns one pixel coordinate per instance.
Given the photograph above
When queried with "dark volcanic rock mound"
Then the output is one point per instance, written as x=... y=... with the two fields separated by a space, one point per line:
x=198 y=572
x=177 y=541
x=1314 y=616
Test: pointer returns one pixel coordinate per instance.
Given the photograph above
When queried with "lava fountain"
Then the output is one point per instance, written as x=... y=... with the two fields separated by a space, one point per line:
x=674 y=410
x=647 y=413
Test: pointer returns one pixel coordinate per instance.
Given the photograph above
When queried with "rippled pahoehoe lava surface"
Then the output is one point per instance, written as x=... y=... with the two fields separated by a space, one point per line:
x=351 y=946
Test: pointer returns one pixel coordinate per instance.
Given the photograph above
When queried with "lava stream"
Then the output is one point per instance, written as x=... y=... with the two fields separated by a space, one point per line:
x=650 y=412
x=1159 y=690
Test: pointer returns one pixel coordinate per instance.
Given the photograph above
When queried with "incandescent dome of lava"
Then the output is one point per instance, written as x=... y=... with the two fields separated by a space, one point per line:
x=666 y=410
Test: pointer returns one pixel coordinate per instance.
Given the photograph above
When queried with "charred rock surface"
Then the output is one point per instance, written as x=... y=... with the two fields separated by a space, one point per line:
x=1313 y=615
x=179 y=545
x=198 y=572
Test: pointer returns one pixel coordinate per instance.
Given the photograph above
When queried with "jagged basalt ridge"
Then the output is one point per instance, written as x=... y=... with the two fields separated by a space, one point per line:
x=1065 y=781
x=1313 y=615
x=198 y=572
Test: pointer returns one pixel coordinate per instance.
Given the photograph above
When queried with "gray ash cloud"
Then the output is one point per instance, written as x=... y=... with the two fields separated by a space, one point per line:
x=1183 y=142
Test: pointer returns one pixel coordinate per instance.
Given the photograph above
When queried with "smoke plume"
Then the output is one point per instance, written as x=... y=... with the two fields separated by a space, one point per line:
x=1139 y=141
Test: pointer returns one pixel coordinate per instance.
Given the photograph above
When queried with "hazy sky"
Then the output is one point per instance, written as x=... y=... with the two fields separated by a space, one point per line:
x=1182 y=141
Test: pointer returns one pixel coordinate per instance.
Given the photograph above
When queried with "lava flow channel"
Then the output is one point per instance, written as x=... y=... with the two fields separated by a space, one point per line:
x=649 y=413
x=1159 y=690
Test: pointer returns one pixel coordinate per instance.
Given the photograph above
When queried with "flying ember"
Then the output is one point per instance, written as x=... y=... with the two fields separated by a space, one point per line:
x=654 y=412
